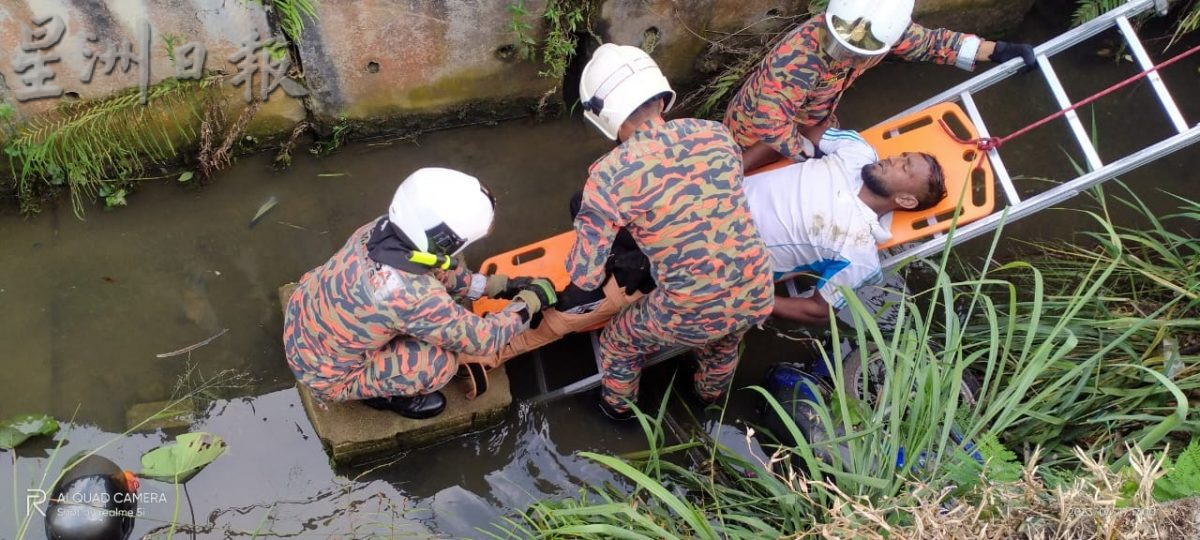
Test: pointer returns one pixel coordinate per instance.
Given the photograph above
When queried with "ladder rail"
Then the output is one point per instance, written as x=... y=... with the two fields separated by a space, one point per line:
x=1160 y=88
x=1049 y=48
x=1050 y=197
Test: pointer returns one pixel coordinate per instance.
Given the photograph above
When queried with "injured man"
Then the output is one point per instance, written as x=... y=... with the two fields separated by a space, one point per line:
x=820 y=220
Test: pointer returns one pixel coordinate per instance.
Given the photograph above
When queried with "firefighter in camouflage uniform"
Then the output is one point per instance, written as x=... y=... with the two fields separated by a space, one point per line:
x=380 y=321
x=676 y=188
x=799 y=83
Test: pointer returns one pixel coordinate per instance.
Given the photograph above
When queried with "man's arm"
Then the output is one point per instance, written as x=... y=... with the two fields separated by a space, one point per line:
x=436 y=319
x=758 y=156
x=812 y=311
x=920 y=44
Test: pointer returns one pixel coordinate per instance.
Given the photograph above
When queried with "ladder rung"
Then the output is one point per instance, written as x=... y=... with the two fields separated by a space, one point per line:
x=1156 y=82
x=1010 y=191
x=1064 y=103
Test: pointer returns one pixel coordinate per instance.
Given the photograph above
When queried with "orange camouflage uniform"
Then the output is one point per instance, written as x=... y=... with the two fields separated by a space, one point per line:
x=357 y=329
x=798 y=84
x=677 y=188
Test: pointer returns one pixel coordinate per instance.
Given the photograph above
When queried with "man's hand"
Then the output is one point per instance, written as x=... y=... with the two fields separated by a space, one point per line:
x=1005 y=51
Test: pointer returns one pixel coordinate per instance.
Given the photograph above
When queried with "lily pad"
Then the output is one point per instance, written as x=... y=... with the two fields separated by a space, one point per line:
x=22 y=427
x=180 y=461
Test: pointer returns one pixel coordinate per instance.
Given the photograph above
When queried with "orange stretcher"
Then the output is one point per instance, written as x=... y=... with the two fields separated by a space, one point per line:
x=969 y=180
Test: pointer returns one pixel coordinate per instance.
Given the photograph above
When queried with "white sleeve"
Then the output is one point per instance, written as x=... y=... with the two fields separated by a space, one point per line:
x=863 y=269
x=849 y=146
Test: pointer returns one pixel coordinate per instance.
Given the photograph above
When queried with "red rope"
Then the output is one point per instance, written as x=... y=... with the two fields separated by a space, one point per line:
x=989 y=143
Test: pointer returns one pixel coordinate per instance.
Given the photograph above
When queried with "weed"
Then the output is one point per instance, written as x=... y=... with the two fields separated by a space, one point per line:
x=521 y=29
x=564 y=20
x=1187 y=13
x=337 y=137
x=84 y=144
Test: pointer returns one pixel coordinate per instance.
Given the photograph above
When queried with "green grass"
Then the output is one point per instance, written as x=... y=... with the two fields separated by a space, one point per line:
x=1057 y=369
x=1187 y=13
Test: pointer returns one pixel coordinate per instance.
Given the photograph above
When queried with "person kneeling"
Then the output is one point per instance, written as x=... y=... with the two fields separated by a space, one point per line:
x=380 y=321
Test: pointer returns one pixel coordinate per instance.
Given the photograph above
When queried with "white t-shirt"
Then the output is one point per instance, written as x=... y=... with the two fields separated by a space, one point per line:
x=812 y=221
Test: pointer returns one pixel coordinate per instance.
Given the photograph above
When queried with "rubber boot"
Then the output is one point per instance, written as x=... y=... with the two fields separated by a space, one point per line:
x=615 y=414
x=419 y=407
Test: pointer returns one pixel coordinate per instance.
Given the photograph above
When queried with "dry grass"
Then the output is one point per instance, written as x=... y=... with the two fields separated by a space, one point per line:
x=1089 y=507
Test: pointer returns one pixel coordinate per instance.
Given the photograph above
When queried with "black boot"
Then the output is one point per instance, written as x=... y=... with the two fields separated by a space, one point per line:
x=416 y=407
x=614 y=413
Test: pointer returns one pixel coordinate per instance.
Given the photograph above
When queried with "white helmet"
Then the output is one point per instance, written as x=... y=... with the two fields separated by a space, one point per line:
x=867 y=27
x=442 y=210
x=615 y=82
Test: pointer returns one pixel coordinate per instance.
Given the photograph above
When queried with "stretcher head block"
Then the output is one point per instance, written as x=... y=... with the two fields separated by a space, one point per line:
x=968 y=174
x=544 y=258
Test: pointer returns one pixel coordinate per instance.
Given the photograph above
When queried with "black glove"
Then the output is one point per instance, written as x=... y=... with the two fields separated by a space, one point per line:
x=537 y=295
x=513 y=286
x=631 y=269
x=1006 y=51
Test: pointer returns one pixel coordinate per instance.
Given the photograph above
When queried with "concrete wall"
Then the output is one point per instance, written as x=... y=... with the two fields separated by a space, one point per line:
x=380 y=59
x=384 y=61
x=220 y=25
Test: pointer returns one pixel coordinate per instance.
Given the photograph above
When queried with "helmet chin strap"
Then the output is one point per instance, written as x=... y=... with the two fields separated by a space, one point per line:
x=433 y=260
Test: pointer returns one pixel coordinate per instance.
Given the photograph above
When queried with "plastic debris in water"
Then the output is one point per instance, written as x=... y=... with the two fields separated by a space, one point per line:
x=262 y=210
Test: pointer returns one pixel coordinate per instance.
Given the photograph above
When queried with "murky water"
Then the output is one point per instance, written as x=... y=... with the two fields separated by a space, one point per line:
x=89 y=305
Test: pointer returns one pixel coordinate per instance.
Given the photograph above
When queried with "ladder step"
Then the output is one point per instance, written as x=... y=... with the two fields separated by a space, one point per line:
x=1001 y=172
x=1156 y=82
x=1064 y=103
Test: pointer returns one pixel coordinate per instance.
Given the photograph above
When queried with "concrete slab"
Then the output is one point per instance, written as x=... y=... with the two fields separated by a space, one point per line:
x=352 y=432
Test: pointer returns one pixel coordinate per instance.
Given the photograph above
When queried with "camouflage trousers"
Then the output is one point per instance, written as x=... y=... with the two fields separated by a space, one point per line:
x=643 y=329
x=404 y=367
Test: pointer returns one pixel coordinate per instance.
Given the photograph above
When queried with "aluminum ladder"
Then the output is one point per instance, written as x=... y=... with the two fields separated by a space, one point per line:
x=1098 y=171
x=1017 y=208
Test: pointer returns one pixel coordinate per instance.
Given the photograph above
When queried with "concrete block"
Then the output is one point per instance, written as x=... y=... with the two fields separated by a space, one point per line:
x=161 y=415
x=352 y=432
x=379 y=59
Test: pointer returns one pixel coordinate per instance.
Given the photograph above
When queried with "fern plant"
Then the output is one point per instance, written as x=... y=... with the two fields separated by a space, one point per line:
x=1183 y=475
x=87 y=144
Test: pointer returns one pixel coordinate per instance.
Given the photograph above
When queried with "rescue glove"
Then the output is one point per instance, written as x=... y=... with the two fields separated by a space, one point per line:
x=631 y=269
x=537 y=295
x=513 y=286
x=497 y=285
x=1006 y=51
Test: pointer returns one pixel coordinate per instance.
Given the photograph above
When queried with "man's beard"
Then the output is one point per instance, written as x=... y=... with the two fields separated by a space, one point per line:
x=873 y=182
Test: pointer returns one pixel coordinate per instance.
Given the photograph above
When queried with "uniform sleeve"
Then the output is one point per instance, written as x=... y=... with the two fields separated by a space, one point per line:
x=595 y=227
x=456 y=281
x=848 y=146
x=780 y=115
x=438 y=320
x=863 y=270
x=920 y=44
